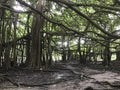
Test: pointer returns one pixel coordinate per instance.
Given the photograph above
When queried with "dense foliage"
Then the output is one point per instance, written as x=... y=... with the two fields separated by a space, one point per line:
x=34 y=33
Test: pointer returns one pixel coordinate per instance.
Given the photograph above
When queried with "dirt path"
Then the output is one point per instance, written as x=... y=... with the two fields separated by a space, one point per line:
x=67 y=76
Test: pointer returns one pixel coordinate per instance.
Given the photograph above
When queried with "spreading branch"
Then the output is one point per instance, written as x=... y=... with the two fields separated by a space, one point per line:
x=86 y=17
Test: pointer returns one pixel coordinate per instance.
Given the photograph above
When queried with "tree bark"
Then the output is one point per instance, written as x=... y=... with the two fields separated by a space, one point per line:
x=37 y=26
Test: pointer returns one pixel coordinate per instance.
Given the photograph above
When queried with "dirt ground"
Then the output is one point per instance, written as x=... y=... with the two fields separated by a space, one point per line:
x=64 y=76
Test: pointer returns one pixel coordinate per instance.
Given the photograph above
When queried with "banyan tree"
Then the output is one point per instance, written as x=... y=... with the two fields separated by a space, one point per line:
x=36 y=33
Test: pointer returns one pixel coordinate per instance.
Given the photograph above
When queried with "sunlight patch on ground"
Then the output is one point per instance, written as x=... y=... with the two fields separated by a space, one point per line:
x=107 y=76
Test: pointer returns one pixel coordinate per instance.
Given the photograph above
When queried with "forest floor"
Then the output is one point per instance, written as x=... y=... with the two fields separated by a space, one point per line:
x=63 y=76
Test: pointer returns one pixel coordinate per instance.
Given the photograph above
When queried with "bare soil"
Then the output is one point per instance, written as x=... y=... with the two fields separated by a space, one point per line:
x=63 y=76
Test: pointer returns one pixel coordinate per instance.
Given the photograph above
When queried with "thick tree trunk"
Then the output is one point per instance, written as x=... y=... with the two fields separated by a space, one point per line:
x=7 y=58
x=28 y=43
x=49 y=50
x=106 y=56
x=15 y=39
x=37 y=26
x=63 y=49
x=118 y=53
x=118 y=56
x=2 y=30
x=5 y=36
x=0 y=55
